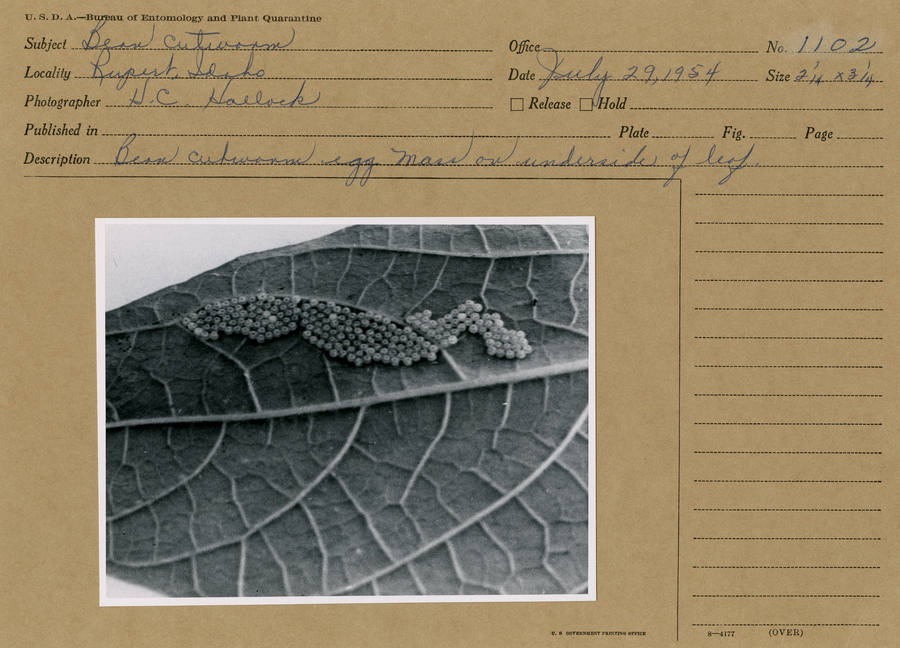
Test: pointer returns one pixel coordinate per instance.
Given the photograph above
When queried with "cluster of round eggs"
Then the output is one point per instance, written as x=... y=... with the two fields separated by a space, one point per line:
x=260 y=317
x=359 y=337
x=362 y=337
x=467 y=318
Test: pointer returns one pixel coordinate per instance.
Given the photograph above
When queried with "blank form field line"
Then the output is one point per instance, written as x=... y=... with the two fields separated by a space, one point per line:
x=783 y=538
x=274 y=78
x=789 y=452
x=773 y=109
x=785 y=567
x=795 y=195
x=654 y=81
x=786 y=595
x=269 y=50
x=792 y=280
x=358 y=135
x=787 y=481
x=804 y=510
x=579 y=51
x=797 y=395
x=755 y=423
x=778 y=337
x=788 y=252
x=777 y=223
x=132 y=107
x=788 y=367
x=786 y=309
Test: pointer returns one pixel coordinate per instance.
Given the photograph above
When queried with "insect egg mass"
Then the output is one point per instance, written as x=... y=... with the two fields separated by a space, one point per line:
x=356 y=336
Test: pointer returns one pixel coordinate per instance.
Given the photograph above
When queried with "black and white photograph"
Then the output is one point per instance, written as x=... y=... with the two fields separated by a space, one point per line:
x=304 y=410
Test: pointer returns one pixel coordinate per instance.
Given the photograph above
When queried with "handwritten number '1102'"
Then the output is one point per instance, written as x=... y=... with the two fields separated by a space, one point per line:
x=838 y=45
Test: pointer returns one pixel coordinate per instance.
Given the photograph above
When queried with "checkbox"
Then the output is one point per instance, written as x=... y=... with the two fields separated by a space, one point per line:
x=517 y=103
x=586 y=103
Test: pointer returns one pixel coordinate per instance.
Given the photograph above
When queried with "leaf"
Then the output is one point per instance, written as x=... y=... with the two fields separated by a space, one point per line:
x=236 y=468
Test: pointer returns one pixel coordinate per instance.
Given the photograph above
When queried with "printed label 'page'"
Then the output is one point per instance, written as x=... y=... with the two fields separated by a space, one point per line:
x=451 y=324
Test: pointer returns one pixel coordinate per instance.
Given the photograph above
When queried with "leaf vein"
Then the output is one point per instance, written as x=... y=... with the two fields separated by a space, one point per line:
x=534 y=299
x=242 y=568
x=319 y=541
x=185 y=480
x=481 y=515
x=487 y=247
x=271 y=517
x=572 y=290
x=382 y=276
x=369 y=524
x=552 y=236
x=465 y=254
x=510 y=558
x=545 y=558
x=437 y=281
x=285 y=574
x=431 y=446
x=506 y=407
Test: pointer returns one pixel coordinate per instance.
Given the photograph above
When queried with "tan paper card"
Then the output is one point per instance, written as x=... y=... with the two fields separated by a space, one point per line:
x=450 y=324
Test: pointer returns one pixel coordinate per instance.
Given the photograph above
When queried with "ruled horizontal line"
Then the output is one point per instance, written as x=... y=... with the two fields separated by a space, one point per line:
x=232 y=176
x=781 y=510
x=653 y=81
x=574 y=51
x=785 y=567
x=778 y=538
x=778 y=337
x=132 y=107
x=292 y=49
x=786 y=595
x=774 y=223
x=801 y=195
x=789 y=452
x=414 y=165
x=776 y=166
x=787 y=252
x=785 y=309
x=200 y=77
x=773 y=109
x=795 y=280
x=358 y=135
x=800 y=395
x=788 y=481
x=790 y=366
x=867 y=82
x=804 y=424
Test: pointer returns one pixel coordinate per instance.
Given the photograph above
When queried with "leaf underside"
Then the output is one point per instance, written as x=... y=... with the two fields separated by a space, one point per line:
x=235 y=468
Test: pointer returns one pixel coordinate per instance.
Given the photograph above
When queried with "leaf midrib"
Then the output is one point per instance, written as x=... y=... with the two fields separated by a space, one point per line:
x=388 y=397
